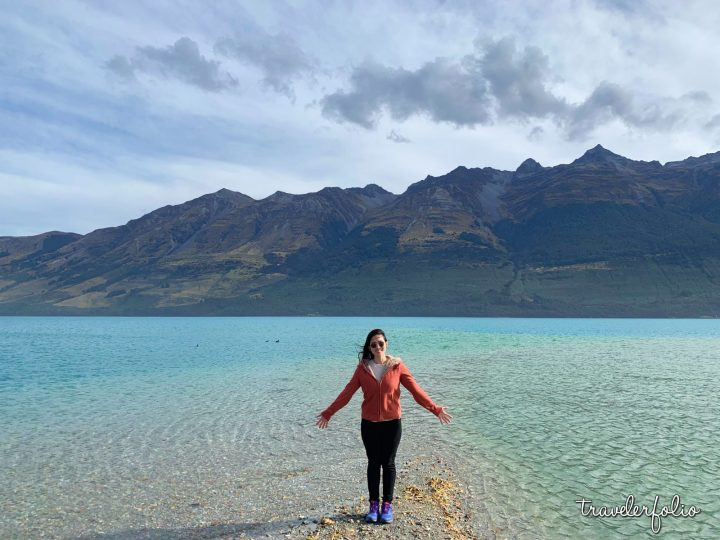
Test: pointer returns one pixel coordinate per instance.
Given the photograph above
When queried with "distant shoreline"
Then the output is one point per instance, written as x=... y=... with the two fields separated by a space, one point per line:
x=370 y=316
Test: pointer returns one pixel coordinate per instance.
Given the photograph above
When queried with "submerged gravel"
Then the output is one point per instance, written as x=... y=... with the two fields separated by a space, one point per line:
x=431 y=501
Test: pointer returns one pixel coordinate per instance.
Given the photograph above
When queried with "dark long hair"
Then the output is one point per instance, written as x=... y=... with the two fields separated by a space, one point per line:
x=366 y=353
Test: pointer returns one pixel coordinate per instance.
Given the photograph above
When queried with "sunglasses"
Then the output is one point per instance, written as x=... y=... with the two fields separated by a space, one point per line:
x=377 y=344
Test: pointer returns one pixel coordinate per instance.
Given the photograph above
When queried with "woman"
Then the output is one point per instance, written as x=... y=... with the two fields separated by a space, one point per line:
x=380 y=376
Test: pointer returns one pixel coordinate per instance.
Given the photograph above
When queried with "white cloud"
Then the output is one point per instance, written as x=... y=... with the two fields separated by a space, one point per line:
x=525 y=81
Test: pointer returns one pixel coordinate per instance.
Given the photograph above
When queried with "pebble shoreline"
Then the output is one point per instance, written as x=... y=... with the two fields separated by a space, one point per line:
x=432 y=500
x=430 y=503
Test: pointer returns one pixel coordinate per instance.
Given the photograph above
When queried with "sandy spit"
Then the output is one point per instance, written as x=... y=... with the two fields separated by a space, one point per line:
x=431 y=502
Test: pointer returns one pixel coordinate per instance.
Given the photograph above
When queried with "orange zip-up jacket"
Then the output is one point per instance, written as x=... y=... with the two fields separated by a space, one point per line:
x=381 y=399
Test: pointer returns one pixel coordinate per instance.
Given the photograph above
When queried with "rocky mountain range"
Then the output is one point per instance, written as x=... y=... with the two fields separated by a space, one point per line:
x=601 y=236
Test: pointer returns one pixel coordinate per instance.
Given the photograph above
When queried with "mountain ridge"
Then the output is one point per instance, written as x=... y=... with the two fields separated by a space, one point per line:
x=474 y=241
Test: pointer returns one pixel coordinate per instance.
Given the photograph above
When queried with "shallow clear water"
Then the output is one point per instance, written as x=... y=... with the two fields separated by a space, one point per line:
x=119 y=424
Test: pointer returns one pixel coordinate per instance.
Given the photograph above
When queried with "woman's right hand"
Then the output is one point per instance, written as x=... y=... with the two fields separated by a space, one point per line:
x=444 y=416
x=322 y=423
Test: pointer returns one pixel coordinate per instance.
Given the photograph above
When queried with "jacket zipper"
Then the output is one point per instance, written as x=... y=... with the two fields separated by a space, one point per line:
x=379 y=384
x=380 y=397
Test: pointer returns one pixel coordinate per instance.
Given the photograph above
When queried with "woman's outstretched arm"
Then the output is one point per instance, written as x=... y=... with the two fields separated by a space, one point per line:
x=408 y=381
x=343 y=398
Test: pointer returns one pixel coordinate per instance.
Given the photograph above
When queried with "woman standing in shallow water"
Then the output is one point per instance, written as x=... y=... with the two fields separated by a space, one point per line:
x=380 y=375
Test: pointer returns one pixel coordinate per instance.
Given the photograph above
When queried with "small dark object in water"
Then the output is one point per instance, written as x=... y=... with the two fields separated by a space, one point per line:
x=195 y=505
x=277 y=341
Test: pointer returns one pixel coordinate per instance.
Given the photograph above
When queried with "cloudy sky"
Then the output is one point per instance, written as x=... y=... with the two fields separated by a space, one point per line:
x=110 y=109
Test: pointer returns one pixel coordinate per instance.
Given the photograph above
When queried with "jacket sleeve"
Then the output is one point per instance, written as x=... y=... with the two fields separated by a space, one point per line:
x=343 y=398
x=408 y=381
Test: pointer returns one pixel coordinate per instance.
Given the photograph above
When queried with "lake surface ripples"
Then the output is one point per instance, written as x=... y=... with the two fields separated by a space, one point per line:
x=122 y=424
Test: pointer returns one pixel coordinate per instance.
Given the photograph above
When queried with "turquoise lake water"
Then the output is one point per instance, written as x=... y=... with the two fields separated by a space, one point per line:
x=122 y=424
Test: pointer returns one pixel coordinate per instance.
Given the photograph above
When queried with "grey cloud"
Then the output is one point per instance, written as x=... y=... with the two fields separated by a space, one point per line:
x=444 y=91
x=397 y=138
x=518 y=80
x=606 y=102
x=639 y=8
x=499 y=81
x=535 y=134
x=713 y=123
x=182 y=61
x=121 y=66
x=698 y=96
x=279 y=57
x=610 y=101
x=624 y=6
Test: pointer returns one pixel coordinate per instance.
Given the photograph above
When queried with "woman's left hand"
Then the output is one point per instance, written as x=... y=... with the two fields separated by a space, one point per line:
x=443 y=416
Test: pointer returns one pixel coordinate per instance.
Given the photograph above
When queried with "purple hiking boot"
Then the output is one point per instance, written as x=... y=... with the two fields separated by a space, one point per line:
x=386 y=515
x=372 y=515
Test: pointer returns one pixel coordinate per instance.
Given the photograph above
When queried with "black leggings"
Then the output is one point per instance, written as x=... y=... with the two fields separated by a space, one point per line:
x=381 y=440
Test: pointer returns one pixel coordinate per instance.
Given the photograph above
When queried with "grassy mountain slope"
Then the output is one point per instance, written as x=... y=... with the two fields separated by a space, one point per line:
x=601 y=236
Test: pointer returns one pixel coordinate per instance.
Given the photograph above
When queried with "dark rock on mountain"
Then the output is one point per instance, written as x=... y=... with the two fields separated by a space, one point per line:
x=601 y=236
x=598 y=154
x=708 y=160
x=527 y=168
x=464 y=201
x=29 y=247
